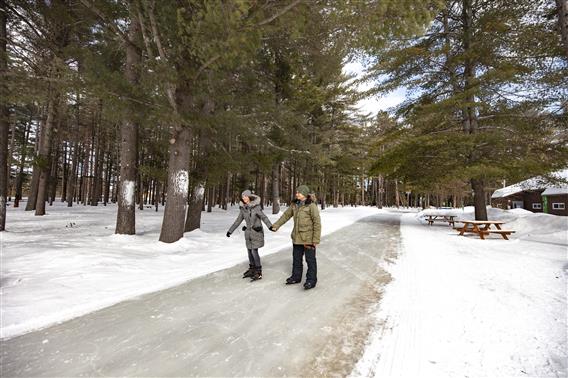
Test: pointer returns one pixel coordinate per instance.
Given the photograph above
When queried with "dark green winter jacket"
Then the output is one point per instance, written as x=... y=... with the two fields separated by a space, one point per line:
x=307 y=223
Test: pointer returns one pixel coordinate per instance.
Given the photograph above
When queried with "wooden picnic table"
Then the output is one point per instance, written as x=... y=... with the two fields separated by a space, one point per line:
x=483 y=228
x=431 y=218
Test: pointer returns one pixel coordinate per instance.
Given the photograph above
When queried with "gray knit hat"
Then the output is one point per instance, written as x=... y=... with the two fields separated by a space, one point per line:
x=303 y=189
x=246 y=193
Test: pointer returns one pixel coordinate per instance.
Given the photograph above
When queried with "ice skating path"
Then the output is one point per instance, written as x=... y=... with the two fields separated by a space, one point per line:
x=222 y=325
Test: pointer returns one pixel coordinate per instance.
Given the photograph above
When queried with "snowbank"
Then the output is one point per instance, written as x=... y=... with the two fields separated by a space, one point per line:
x=462 y=306
x=69 y=262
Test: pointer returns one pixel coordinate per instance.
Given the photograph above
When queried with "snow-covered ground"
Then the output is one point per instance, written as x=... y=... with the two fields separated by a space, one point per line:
x=456 y=306
x=465 y=307
x=69 y=262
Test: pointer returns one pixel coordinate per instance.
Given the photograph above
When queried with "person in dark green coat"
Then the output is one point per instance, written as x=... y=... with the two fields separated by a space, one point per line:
x=306 y=236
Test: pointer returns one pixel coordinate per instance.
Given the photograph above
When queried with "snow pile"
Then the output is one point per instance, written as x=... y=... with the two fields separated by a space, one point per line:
x=462 y=306
x=70 y=262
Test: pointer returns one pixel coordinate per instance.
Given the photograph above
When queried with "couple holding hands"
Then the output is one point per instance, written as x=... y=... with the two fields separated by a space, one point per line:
x=305 y=234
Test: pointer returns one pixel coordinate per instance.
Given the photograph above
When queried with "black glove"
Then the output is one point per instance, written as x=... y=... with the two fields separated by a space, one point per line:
x=257 y=228
x=228 y=234
x=244 y=228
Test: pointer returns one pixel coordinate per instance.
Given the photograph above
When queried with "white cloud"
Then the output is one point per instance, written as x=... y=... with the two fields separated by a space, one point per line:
x=373 y=104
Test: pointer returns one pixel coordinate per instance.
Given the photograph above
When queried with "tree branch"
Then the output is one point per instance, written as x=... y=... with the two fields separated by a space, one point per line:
x=284 y=149
x=280 y=13
x=25 y=20
x=154 y=28
x=144 y=35
x=108 y=23
x=170 y=88
x=205 y=65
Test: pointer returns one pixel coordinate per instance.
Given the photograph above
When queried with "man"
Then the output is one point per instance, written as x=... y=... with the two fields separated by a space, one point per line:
x=305 y=236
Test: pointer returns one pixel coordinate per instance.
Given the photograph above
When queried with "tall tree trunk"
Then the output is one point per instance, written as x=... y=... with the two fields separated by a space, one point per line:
x=94 y=196
x=193 y=219
x=210 y=197
x=220 y=196
x=323 y=191
x=140 y=182
x=196 y=206
x=85 y=170
x=125 y=218
x=45 y=150
x=126 y=214
x=470 y=113
x=157 y=196
x=32 y=197
x=53 y=178
x=479 y=199
x=380 y=202
x=72 y=176
x=108 y=178
x=4 y=116
x=363 y=191
x=10 y=184
x=262 y=190
x=115 y=189
x=562 y=8
x=276 y=188
x=397 y=194
x=98 y=177
x=227 y=193
x=141 y=189
x=65 y=180
x=23 y=156
x=335 y=191
x=178 y=185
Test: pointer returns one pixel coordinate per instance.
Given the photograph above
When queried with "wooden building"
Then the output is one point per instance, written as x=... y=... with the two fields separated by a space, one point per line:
x=555 y=200
x=536 y=194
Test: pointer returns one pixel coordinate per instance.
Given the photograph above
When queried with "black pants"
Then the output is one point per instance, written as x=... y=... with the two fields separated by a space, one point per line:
x=298 y=252
x=254 y=258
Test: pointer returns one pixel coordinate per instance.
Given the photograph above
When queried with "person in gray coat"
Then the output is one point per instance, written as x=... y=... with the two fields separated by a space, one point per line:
x=252 y=214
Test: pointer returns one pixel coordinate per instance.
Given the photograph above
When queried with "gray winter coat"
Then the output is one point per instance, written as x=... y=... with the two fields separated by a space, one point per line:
x=252 y=214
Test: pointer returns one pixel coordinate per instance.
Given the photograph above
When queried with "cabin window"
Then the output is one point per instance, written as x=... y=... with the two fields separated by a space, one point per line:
x=558 y=206
x=517 y=204
x=537 y=206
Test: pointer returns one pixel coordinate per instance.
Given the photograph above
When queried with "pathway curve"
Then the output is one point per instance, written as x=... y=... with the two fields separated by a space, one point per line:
x=222 y=325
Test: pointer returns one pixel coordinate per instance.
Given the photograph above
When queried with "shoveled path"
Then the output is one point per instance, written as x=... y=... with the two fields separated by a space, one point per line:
x=222 y=325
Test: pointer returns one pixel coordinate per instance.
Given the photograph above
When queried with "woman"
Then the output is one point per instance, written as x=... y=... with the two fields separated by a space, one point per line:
x=306 y=236
x=251 y=212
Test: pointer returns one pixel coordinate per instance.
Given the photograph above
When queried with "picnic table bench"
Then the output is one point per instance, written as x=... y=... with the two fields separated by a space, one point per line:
x=483 y=228
x=431 y=218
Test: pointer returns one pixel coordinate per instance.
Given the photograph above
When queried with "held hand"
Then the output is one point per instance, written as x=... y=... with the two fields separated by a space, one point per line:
x=309 y=246
x=271 y=228
x=257 y=228
x=244 y=228
x=228 y=234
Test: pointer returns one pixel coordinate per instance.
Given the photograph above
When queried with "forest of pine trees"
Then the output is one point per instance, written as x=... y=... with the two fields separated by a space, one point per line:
x=183 y=104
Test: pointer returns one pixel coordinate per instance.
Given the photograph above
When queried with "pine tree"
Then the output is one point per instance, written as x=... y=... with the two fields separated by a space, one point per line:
x=487 y=81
